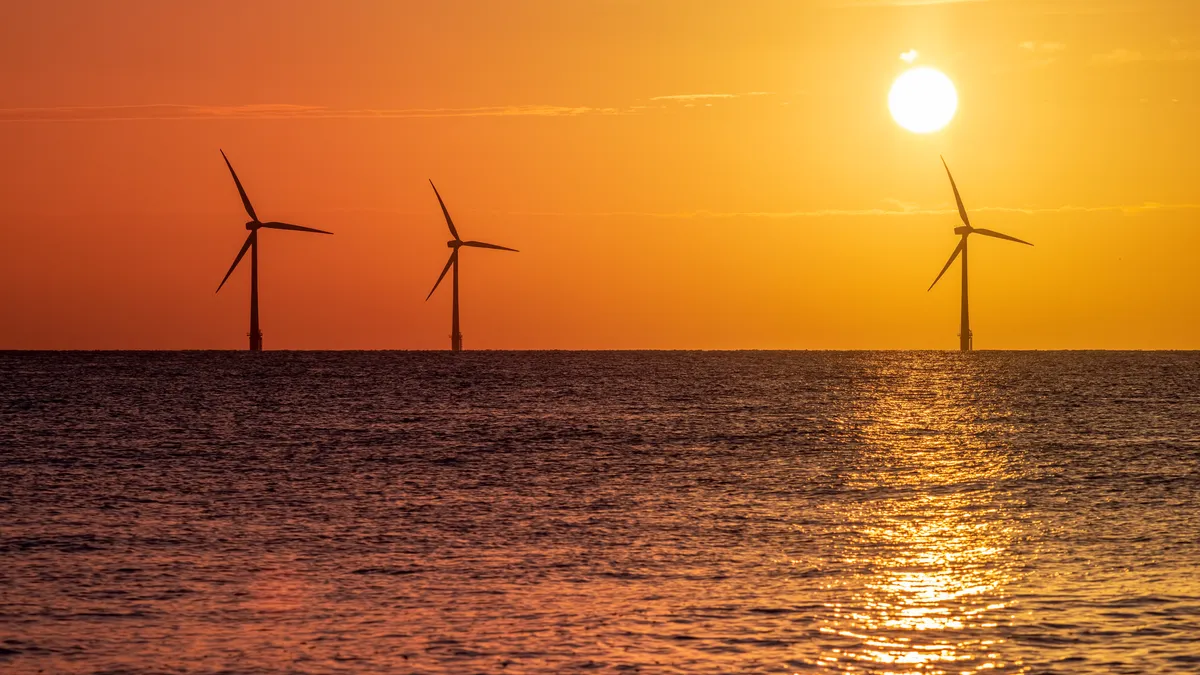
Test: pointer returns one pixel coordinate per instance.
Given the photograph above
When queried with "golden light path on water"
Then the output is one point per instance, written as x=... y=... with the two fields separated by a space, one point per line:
x=931 y=601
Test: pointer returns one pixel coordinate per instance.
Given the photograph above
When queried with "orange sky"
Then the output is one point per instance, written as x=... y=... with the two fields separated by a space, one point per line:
x=676 y=174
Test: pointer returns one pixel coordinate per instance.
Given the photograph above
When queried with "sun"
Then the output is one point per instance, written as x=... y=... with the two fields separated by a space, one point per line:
x=923 y=100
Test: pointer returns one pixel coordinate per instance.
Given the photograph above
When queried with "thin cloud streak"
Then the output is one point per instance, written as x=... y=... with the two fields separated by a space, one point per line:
x=828 y=213
x=700 y=97
x=1048 y=7
x=280 y=112
x=1123 y=56
x=898 y=3
x=288 y=111
x=1031 y=46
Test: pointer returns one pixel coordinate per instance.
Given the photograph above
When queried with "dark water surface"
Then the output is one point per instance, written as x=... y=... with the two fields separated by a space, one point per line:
x=609 y=512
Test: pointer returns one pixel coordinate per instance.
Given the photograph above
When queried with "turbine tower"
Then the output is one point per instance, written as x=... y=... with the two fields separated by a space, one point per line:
x=252 y=245
x=965 y=341
x=455 y=244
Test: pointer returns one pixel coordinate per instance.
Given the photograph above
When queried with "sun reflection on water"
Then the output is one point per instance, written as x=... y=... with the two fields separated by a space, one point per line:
x=931 y=541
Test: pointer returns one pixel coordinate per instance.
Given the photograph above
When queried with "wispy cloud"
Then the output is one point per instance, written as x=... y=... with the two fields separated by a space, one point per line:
x=288 y=111
x=1123 y=56
x=896 y=3
x=1042 y=54
x=1118 y=56
x=280 y=112
x=1052 y=7
x=904 y=209
x=1043 y=47
x=701 y=97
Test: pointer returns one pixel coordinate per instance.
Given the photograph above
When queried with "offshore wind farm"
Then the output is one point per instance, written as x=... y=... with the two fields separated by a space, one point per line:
x=966 y=338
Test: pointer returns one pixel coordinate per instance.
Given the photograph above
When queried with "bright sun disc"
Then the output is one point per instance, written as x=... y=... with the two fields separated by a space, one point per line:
x=923 y=100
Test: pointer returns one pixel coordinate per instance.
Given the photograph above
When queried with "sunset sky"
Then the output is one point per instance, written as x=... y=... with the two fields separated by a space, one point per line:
x=676 y=173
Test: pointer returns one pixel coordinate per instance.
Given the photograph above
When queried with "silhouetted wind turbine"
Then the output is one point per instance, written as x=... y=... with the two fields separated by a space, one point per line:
x=252 y=245
x=456 y=243
x=965 y=342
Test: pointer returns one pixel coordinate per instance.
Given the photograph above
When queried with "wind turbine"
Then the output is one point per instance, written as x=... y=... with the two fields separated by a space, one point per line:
x=964 y=334
x=252 y=245
x=456 y=243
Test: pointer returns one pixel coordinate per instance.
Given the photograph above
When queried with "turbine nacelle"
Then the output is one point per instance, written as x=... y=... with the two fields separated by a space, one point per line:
x=964 y=229
x=453 y=243
x=253 y=225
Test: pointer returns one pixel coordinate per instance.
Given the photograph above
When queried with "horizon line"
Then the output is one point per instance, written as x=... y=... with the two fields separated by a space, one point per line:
x=948 y=350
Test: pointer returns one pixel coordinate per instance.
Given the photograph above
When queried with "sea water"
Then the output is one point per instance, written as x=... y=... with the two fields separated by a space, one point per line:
x=652 y=512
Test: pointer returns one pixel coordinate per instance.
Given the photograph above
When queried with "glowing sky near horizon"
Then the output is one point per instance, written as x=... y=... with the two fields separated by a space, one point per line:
x=674 y=177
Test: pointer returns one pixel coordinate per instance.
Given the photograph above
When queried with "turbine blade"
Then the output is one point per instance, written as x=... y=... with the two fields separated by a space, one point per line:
x=288 y=226
x=962 y=210
x=961 y=245
x=242 y=192
x=445 y=212
x=480 y=244
x=453 y=259
x=238 y=259
x=993 y=233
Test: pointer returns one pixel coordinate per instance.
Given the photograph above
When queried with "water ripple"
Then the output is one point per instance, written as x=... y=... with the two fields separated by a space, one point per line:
x=610 y=512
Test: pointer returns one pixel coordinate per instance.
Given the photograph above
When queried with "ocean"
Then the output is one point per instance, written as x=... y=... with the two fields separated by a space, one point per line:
x=623 y=512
